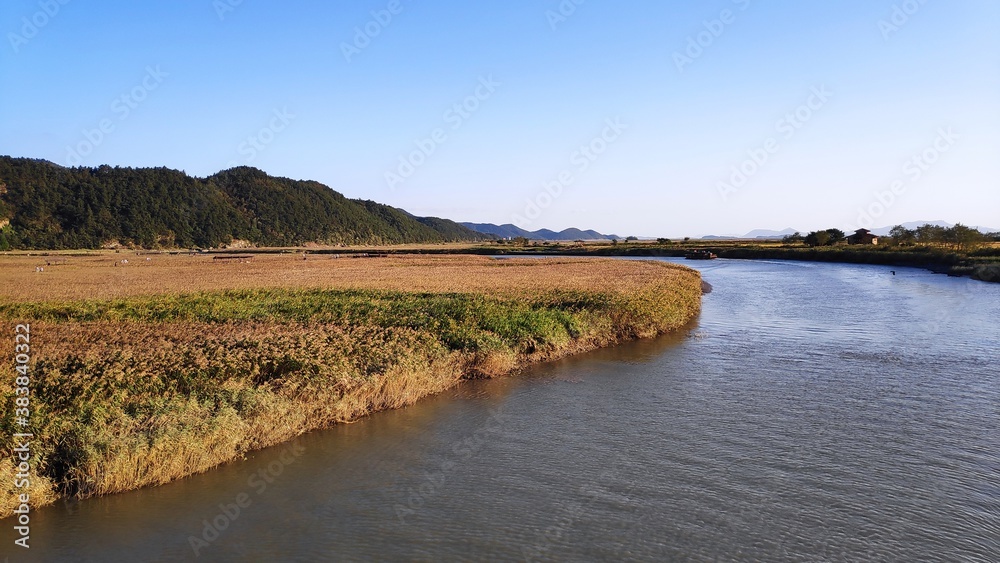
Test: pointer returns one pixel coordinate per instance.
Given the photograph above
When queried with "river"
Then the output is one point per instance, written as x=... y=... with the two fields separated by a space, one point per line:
x=812 y=412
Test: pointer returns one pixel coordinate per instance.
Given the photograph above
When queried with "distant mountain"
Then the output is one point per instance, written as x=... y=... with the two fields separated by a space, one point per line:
x=755 y=234
x=768 y=234
x=511 y=231
x=501 y=231
x=47 y=206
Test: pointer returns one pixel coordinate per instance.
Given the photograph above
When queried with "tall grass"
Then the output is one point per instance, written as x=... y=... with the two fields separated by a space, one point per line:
x=143 y=390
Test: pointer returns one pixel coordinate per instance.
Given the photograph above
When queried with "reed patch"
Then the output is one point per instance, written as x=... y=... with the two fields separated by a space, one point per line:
x=148 y=388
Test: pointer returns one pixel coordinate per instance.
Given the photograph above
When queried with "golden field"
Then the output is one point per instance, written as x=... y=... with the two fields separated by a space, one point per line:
x=143 y=373
x=95 y=276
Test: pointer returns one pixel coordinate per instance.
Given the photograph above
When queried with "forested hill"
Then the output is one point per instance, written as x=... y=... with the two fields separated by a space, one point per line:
x=46 y=206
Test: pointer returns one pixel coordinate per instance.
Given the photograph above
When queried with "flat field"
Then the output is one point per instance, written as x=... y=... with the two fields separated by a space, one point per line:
x=96 y=275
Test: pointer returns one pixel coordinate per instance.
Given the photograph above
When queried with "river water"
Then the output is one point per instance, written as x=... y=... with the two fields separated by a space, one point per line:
x=813 y=412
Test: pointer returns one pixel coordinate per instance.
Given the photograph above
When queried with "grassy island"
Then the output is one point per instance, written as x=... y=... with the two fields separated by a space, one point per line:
x=154 y=367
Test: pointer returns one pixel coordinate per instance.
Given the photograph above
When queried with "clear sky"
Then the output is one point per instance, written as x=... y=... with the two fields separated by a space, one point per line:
x=654 y=118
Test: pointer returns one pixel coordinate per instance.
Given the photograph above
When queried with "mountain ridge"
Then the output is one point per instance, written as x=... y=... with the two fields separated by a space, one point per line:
x=509 y=230
x=45 y=206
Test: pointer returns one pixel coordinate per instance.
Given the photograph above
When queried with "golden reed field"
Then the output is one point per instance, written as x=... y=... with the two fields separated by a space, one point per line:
x=168 y=365
x=96 y=276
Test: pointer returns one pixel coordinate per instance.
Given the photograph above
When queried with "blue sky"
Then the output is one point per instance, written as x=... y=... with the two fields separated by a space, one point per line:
x=654 y=118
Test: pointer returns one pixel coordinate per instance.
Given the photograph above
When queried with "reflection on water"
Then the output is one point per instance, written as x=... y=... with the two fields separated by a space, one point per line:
x=813 y=412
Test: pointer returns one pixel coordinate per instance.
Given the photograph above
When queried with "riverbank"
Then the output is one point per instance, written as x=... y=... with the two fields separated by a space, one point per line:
x=982 y=263
x=950 y=263
x=145 y=372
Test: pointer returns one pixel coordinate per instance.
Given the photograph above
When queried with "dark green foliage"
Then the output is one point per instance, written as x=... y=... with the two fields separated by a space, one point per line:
x=463 y=321
x=829 y=237
x=52 y=207
x=958 y=236
x=836 y=236
x=902 y=236
x=450 y=229
x=818 y=238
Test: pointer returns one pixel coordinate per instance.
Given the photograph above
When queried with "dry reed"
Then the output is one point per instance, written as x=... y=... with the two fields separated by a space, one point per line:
x=149 y=372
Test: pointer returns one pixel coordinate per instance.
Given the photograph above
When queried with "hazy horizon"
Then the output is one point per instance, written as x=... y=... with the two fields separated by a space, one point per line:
x=651 y=119
x=908 y=224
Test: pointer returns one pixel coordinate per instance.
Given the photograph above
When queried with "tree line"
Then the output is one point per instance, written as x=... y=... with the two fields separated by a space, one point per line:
x=958 y=237
x=46 y=206
x=828 y=237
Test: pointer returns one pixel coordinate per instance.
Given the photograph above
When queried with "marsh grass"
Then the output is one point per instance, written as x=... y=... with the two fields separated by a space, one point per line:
x=148 y=388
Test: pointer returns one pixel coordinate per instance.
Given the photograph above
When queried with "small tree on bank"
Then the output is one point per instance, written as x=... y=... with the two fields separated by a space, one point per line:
x=818 y=238
x=964 y=238
x=902 y=236
x=794 y=238
x=836 y=236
